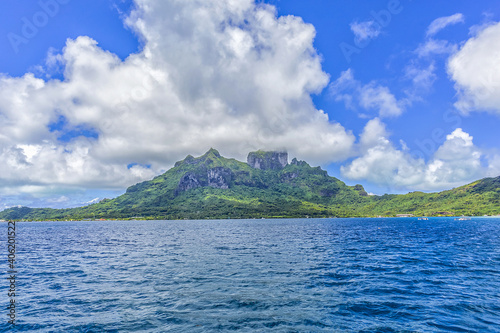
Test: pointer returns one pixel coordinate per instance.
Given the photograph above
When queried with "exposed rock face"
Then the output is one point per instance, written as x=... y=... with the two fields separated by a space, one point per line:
x=269 y=160
x=218 y=177
x=361 y=190
x=187 y=182
x=298 y=163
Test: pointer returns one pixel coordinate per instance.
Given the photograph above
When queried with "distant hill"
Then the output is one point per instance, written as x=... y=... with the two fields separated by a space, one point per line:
x=215 y=187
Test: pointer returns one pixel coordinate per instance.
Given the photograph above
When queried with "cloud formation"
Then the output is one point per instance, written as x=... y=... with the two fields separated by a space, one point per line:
x=433 y=47
x=475 y=69
x=365 y=30
x=214 y=73
x=442 y=22
x=456 y=162
x=232 y=75
x=369 y=97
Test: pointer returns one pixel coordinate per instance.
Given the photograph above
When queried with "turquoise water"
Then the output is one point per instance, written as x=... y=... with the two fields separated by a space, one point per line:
x=304 y=275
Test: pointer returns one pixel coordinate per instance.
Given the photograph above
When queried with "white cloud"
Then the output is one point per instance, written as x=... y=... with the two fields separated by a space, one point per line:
x=365 y=30
x=422 y=78
x=456 y=162
x=432 y=47
x=380 y=98
x=344 y=89
x=374 y=134
x=371 y=96
x=422 y=69
x=380 y=162
x=442 y=22
x=214 y=73
x=93 y=201
x=475 y=68
x=494 y=164
x=487 y=20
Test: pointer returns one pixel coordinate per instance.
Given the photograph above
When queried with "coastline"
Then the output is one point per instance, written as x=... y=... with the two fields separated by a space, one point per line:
x=418 y=218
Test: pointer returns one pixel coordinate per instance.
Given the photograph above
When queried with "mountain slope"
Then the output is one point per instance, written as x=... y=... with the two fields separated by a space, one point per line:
x=212 y=186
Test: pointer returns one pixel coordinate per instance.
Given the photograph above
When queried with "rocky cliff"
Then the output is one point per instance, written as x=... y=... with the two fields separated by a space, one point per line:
x=267 y=160
x=205 y=173
x=217 y=177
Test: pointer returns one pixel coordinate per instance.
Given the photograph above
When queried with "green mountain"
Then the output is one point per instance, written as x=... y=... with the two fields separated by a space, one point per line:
x=214 y=187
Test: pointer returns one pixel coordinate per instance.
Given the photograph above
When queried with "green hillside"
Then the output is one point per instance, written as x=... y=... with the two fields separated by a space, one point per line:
x=214 y=187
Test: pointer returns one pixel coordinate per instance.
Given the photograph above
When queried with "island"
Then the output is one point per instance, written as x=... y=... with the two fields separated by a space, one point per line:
x=266 y=186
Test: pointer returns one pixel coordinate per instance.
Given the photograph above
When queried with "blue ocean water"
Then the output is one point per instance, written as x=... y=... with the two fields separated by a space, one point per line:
x=303 y=275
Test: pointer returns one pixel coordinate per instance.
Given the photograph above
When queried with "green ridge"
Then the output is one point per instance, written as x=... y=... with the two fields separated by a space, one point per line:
x=214 y=187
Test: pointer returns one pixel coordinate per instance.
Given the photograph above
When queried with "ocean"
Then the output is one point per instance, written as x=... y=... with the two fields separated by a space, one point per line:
x=284 y=275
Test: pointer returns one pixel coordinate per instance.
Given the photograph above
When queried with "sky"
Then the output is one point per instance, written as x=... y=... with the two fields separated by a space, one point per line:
x=97 y=95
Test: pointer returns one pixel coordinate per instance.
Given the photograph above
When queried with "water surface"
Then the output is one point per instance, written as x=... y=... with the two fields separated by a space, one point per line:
x=303 y=275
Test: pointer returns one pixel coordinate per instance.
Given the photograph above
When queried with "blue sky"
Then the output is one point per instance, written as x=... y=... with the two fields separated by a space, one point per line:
x=98 y=95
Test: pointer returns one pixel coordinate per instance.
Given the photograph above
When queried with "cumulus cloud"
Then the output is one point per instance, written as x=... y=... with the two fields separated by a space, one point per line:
x=370 y=97
x=456 y=162
x=381 y=162
x=380 y=98
x=475 y=69
x=442 y=22
x=214 y=73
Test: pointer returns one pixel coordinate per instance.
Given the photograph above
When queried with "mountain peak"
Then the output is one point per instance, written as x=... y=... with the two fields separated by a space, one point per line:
x=209 y=155
x=267 y=160
x=213 y=152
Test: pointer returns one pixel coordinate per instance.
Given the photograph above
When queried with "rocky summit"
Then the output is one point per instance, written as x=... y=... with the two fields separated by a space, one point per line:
x=267 y=160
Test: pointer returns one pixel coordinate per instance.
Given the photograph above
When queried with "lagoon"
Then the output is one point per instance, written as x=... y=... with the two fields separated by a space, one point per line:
x=287 y=275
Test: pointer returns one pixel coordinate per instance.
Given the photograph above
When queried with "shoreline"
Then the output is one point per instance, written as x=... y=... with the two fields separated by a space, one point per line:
x=259 y=219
